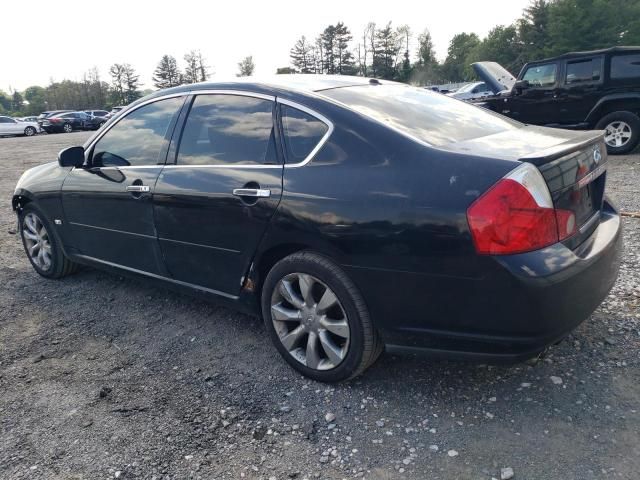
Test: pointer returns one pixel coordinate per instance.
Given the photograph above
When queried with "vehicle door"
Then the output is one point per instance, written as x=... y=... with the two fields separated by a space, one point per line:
x=7 y=126
x=214 y=203
x=580 y=89
x=108 y=204
x=536 y=104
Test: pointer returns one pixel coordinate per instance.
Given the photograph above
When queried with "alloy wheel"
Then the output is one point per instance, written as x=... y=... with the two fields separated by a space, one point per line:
x=617 y=134
x=29 y=131
x=310 y=321
x=37 y=241
x=67 y=128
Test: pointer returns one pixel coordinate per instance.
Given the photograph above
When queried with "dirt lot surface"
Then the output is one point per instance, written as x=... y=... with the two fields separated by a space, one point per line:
x=105 y=377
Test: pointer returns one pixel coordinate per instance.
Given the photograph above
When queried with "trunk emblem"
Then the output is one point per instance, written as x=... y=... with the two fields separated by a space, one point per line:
x=597 y=156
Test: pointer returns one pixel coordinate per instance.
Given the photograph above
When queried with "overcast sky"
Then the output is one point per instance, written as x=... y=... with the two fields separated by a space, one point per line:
x=60 y=40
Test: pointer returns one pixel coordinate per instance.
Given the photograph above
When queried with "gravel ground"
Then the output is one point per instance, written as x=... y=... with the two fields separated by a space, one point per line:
x=105 y=377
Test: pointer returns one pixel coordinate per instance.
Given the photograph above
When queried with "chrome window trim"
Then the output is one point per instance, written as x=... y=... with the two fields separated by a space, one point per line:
x=308 y=158
x=322 y=141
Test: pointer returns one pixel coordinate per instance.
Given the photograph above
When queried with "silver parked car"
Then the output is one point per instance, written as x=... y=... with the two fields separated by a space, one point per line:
x=10 y=126
x=472 y=90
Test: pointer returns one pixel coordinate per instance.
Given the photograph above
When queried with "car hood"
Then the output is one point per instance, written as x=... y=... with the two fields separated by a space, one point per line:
x=529 y=143
x=494 y=75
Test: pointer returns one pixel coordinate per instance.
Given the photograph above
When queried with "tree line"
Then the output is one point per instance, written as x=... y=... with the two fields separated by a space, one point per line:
x=546 y=28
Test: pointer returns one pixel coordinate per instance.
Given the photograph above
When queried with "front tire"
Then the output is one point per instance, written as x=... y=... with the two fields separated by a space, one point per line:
x=29 y=132
x=622 y=131
x=317 y=319
x=42 y=246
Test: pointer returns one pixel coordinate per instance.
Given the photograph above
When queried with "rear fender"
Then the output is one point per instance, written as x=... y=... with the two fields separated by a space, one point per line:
x=612 y=103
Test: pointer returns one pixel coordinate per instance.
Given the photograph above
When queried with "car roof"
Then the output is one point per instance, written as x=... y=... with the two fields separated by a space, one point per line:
x=587 y=53
x=309 y=83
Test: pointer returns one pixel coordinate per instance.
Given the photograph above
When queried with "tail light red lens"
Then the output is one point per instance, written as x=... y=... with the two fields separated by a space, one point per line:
x=516 y=215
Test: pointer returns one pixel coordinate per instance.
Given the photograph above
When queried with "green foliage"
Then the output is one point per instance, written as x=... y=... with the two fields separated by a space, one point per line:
x=385 y=51
x=455 y=67
x=336 y=57
x=124 y=84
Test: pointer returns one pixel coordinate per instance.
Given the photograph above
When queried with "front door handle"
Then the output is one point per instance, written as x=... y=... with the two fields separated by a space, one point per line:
x=252 y=192
x=138 y=188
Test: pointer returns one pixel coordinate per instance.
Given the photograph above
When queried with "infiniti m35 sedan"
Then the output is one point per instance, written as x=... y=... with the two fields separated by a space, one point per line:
x=352 y=214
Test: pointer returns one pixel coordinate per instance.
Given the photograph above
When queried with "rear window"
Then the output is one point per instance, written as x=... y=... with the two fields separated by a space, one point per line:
x=583 y=71
x=428 y=116
x=625 y=66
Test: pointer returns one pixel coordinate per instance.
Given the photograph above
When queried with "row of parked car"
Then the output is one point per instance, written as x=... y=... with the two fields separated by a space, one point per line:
x=56 y=121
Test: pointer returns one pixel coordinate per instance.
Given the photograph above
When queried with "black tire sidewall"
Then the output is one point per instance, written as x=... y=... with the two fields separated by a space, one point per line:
x=30 y=129
x=57 y=257
x=629 y=118
x=308 y=263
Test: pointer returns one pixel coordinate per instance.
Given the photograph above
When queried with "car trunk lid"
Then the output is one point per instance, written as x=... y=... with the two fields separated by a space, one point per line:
x=572 y=163
x=494 y=75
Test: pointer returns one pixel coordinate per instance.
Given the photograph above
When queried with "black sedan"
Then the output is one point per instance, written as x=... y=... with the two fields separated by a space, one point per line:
x=351 y=214
x=67 y=122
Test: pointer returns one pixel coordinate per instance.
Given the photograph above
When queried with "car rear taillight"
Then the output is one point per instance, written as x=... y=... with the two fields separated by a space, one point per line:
x=516 y=215
x=55 y=120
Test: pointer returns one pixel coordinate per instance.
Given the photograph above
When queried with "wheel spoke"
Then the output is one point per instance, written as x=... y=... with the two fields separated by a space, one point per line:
x=283 y=314
x=286 y=290
x=327 y=301
x=34 y=248
x=29 y=221
x=306 y=283
x=334 y=353
x=292 y=339
x=30 y=235
x=337 y=327
x=312 y=354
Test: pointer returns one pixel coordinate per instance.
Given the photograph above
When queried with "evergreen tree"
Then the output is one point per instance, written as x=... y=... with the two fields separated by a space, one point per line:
x=301 y=56
x=131 y=82
x=328 y=42
x=343 y=57
x=386 y=47
x=167 y=73
x=118 y=85
x=533 y=30
x=246 y=67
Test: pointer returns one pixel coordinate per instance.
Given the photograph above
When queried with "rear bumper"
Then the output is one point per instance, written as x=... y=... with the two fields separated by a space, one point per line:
x=524 y=303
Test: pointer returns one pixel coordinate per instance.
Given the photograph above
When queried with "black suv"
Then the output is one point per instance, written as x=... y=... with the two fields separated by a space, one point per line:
x=580 y=90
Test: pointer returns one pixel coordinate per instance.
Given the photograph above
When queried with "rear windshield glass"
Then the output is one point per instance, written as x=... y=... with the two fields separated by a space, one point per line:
x=428 y=116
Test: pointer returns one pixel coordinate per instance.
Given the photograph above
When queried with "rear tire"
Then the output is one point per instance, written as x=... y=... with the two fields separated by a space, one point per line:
x=622 y=131
x=42 y=246
x=67 y=128
x=340 y=352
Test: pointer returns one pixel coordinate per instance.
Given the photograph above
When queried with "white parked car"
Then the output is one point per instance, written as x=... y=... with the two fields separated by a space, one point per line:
x=10 y=126
x=472 y=90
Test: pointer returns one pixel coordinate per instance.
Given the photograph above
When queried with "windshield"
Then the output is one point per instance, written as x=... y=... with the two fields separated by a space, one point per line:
x=466 y=88
x=428 y=116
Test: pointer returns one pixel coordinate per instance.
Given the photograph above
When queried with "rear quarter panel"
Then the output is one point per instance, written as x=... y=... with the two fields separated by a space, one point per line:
x=388 y=209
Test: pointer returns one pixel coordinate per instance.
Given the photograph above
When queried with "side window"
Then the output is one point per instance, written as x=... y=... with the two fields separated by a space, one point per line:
x=625 y=66
x=5 y=120
x=584 y=71
x=541 y=75
x=302 y=133
x=224 y=129
x=137 y=139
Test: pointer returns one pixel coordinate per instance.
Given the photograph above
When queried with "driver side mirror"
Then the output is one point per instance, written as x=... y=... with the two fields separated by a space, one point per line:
x=71 y=157
x=521 y=85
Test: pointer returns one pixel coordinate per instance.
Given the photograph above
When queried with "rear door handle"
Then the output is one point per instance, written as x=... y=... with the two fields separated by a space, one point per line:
x=252 y=192
x=138 y=188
